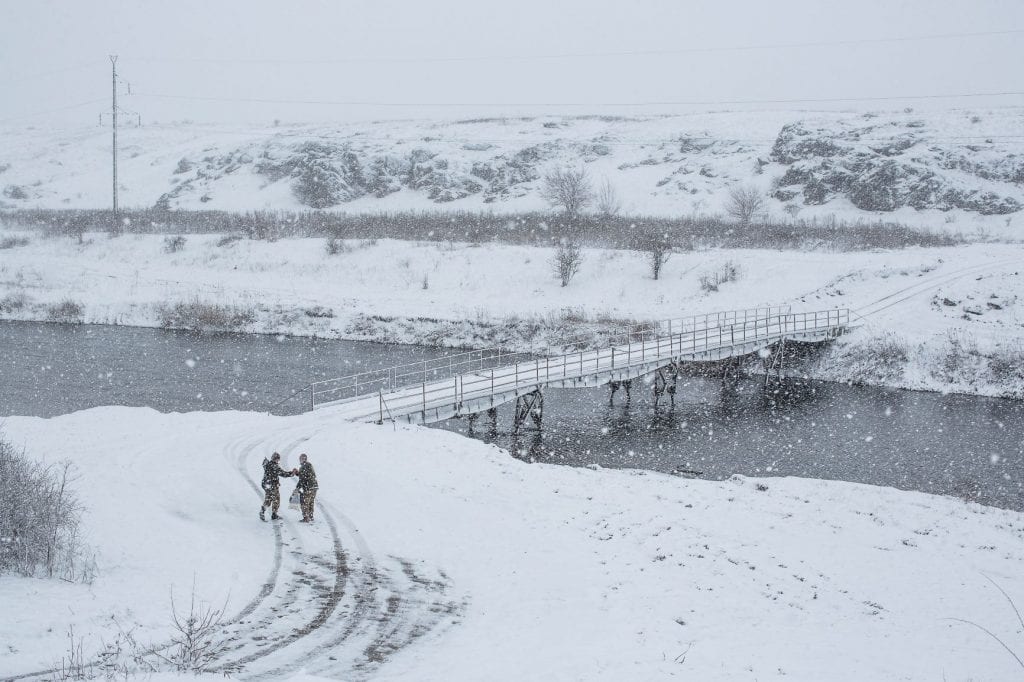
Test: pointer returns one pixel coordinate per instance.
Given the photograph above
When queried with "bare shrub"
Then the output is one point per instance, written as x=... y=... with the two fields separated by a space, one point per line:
x=958 y=361
x=728 y=272
x=39 y=519
x=67 y=311
x=197 y=642
x=658 y=247
x=12 y=303
x=11 y=242
x=608 y=204
x=229 y=239
x=334 y=246
x=1006 y=367
x=174 y=244
x=201 y=316
x=744 y=203
x=568 y=190
x=567 y=260
x=318 y=311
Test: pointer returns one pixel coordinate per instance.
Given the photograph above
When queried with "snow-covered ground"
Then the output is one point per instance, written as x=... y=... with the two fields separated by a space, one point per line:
x=954 y=316
x=435 y=557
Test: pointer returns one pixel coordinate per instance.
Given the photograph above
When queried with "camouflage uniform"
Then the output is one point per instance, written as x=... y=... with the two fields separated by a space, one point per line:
x=307 y=490
x=272 y=486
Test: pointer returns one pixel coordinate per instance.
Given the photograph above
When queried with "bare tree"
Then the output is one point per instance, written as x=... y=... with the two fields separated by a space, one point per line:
x=658 y=247
x=567 y=259
x=568 y=190
x=744 y=203
x=608 y=204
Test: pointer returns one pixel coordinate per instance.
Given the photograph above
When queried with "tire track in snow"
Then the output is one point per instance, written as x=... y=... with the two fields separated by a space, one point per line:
x=927 y=285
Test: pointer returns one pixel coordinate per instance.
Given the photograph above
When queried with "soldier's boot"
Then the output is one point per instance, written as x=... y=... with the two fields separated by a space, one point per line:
x=274 y=517
x=262 y=517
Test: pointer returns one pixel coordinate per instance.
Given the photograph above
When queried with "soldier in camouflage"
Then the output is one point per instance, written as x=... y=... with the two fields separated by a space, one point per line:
x=307 y=488
x=272 y=471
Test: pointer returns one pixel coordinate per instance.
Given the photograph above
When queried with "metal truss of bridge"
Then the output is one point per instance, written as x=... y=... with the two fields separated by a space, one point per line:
x=466 y=384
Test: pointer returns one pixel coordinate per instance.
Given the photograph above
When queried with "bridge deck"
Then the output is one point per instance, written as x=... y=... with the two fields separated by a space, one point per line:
x=478 y=387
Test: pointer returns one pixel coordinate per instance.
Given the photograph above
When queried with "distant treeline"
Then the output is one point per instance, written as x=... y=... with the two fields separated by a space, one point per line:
x=615 y=231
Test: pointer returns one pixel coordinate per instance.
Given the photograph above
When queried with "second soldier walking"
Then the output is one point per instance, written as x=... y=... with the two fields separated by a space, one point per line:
x=307 y=488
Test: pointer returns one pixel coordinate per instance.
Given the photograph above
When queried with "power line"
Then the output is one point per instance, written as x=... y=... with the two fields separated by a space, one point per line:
x=51 y=111
x=590 y=55
x=53 y=72
x=820 y=100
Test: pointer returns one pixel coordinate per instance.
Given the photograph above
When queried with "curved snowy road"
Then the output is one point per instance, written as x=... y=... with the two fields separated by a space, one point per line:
x=330 y=606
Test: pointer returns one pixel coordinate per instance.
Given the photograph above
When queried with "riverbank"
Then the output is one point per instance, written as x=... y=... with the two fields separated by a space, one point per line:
x=941 y=319
x=456 y=559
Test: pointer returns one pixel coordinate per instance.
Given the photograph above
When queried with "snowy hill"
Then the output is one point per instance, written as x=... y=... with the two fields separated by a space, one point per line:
x=930 y=167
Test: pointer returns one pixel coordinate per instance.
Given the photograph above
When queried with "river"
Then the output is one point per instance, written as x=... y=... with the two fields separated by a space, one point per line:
x=967 y=446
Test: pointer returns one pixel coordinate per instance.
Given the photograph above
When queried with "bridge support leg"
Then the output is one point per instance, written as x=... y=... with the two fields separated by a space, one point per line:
x=616 y=385
x=529 y=405
x=673 y=375
x=658 y=386
x=773 y=363
x=731 y=370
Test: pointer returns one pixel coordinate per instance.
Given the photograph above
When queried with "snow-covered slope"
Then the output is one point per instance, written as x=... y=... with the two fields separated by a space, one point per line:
x=916 y=167
x=436 y=557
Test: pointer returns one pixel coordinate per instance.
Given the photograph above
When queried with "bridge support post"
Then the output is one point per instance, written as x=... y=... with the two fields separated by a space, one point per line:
x=529 y=405
x=773 y=363
x=616 y=385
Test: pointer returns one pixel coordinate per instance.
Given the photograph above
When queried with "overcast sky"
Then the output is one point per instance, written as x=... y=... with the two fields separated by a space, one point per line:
x=319 y=60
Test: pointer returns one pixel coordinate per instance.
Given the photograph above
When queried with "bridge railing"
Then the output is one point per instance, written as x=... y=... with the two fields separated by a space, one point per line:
x=495 y=369
x=458 y=389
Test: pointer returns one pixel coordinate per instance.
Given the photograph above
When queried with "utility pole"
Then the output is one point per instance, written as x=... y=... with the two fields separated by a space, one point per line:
x=113 y=114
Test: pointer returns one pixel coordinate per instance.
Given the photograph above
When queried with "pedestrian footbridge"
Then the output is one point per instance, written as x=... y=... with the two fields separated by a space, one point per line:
x=466 y=384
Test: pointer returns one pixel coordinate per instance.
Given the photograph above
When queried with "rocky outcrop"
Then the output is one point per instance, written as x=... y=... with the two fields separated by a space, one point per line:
x=884 y=168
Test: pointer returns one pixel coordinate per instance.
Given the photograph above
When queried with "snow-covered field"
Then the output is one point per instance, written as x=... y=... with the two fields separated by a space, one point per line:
x=435 y=557
x=956 y=313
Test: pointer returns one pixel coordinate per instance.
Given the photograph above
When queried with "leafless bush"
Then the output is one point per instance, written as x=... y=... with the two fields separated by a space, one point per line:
x=961 y=354
x=229 y=239
x=744 y=203
x=174 y=244
x=608 y=204
x=39 y=519
x=567 y=260
x=201 y=316
x=66 y=311
x=196 y=643
x=335 y=246
x=1006 y=367
x=658 y=247
x=318 y=311
x=876 y=360
x=728 y=272
x=11 y=242
x=12 y=303
x=568 y=190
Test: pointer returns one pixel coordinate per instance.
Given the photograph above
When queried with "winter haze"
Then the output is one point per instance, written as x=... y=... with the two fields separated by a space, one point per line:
x=626 y=341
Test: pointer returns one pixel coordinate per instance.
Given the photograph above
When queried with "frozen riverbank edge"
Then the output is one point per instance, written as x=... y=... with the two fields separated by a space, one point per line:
x=938 y=319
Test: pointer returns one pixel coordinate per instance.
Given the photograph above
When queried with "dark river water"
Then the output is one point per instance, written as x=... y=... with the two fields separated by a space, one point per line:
x=947 y=444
